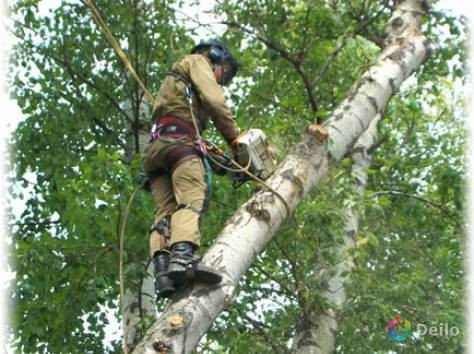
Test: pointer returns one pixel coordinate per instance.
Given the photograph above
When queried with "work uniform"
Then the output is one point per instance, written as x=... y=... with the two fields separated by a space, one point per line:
x=172 y=159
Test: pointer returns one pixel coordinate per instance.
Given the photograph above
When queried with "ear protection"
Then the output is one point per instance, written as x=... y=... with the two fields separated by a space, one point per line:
x=216 y=54
x=219 y=53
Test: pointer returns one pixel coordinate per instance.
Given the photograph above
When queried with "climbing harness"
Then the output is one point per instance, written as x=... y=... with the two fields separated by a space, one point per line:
x=198 y=140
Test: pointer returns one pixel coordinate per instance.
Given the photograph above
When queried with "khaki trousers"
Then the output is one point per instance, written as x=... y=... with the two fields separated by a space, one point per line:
x=178 y=196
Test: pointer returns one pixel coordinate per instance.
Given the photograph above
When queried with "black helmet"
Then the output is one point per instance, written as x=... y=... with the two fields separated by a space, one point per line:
x=219 y=53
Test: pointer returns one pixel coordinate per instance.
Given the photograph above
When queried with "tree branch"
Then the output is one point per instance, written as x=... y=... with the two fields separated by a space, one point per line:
x=286 y=55
x=377 y=144
x=412 y=196
x=261 y=329
x=289 y=292
x=65 y=63
x=363 y=24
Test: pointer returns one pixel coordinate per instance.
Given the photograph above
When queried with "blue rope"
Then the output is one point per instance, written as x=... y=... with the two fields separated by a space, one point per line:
x=208 y=173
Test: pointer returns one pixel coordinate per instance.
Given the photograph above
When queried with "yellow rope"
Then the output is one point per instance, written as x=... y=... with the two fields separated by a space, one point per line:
x=113 y=42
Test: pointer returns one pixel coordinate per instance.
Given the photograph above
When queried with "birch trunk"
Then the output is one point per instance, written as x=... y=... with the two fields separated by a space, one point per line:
x=140 y=308
x=139 y=299
x=319 y=336
x=247 y=233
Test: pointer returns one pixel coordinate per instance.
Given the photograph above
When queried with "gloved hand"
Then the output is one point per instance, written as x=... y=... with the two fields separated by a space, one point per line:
x=222 y=160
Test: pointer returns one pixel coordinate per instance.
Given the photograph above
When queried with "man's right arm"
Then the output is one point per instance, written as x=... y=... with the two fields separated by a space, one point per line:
x=212 y=96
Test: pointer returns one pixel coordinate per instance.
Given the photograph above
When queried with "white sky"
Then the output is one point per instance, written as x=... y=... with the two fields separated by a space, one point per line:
x=11 y=115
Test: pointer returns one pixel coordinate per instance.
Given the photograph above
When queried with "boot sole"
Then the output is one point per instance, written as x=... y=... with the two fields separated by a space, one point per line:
x=196 y=276
x=164 y=286
x=167 y=293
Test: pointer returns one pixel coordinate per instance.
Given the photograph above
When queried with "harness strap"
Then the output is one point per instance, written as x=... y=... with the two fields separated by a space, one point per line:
x=156 y=173
x=198 y=140
x=178 y=155
x=179 y=76
x=188 y=206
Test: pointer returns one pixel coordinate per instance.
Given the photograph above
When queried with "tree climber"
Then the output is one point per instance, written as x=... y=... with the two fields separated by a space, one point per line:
x=173 y=161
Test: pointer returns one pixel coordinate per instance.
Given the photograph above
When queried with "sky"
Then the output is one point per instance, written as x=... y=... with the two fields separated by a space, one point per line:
x=11 y=115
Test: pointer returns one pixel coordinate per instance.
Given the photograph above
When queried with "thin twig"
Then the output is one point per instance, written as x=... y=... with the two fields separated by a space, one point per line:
x=296 y=62
x=261 y=329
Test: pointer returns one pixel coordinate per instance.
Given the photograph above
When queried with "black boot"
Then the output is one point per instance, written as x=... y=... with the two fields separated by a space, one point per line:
x=164 y=286
x=185 y=266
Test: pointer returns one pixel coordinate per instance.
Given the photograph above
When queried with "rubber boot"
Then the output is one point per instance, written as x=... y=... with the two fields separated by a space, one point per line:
x=185 y=266
x=164 y=286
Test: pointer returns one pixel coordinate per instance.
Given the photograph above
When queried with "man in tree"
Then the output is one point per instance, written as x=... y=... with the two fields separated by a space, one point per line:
x=189 y=95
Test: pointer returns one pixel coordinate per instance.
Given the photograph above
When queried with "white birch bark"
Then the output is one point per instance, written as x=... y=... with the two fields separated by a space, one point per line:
x=140 y=308
x=139 y=299
x=247 y=233
x=319 y=336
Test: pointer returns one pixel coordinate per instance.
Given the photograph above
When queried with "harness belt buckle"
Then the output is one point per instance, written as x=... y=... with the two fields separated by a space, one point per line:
x=155 y=132
x=201 y=148
x=189 y=92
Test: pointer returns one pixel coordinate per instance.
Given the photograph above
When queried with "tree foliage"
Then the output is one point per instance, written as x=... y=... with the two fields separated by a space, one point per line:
x=77 y=152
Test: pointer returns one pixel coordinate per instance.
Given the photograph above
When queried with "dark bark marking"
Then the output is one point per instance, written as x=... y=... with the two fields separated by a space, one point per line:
x=429 y=49
x=351 y=233
x=134 y=306
x=256 y=209
x=290 y=176
x=216 y=260
x=425 y=6
x=404 y=69
x=203 y=308
x=393 y=86
x=355 y=89
x=361 y=122
x=308 y=341
x=336 y=129
x=347 y=107
x=339 y=116
x=373 y=102
x=236 y=219
x=397 y=55
x=161 y=347
x=397 y=22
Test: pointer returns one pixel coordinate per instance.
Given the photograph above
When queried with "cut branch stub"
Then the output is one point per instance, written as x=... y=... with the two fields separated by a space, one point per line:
x=318 y=132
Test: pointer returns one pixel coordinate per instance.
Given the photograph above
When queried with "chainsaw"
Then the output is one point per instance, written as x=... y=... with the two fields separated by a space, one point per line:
x=252 y=154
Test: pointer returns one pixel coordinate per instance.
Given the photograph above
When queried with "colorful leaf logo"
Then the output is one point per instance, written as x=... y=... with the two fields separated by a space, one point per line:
x=396 y=331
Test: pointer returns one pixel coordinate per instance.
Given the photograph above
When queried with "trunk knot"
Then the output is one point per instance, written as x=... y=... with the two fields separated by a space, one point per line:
x=161 y=348
x=257 y=209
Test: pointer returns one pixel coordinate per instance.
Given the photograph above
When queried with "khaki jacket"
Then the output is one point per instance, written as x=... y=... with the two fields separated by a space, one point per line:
x=208 y=97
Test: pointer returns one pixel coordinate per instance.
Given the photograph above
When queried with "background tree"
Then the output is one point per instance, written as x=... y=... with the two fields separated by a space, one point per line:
x=76 y=155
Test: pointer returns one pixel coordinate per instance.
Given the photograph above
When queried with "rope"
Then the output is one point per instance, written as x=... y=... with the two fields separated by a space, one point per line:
x=208 y=174
x=262 y=182
x=113 y=42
